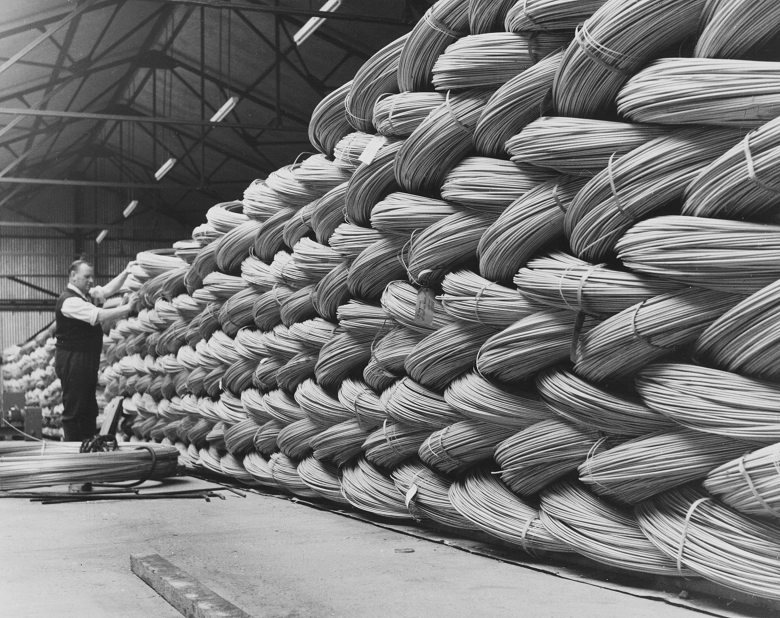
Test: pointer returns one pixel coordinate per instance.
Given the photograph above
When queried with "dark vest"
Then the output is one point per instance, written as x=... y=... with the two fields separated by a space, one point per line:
x=76 y=335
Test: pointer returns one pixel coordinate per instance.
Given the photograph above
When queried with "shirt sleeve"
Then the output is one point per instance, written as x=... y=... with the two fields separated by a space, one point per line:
x=80 y=309
x=97 y=294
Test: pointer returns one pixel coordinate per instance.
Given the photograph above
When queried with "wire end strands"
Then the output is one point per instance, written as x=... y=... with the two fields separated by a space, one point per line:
x=328 y=122
x=367 y=489
x=392 y=443
x=400 y=298
x=730 y=256
x=443 y=23
x=596 y=529
x=462 y=444
x=518 y=102
x=371 y=182
x=426 y=495
x=713 y=401
x=612 y=44
x=653 y=463
x=528 y=224
x=533 y=15
x=741 y=93
x=323 y=478
x=403 y=214
x=625 y=342
x=531 y=344
x=481 y=498
x=488 y=15
x=714 y=541
x=492 y=59
x=535 y=457
x=618 y=413
x=441 y=140
x=733 y=28
x=743 y=183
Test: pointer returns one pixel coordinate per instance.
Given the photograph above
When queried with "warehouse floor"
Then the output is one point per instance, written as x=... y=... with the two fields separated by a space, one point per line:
x=270 y=557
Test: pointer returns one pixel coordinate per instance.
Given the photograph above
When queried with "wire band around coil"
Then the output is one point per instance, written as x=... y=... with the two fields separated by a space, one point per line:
x=588 y=47
x=743 y=471
x=684 y=535
x=751 y=168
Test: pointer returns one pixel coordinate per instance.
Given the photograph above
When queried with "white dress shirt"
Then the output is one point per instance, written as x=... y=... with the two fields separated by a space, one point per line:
x=83 y=308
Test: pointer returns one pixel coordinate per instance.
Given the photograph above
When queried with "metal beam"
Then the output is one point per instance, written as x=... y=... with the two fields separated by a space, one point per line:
x=85 y=183
x=37 y=288
x=86 y=226
x=25 y=305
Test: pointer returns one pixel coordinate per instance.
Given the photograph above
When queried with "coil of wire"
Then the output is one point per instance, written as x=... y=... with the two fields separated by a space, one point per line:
x=398 y=115
x=322 y=478
x=462 y=444
x=328 y=122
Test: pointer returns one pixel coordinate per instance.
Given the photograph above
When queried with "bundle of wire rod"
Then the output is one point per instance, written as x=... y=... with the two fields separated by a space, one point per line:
x=545 y=15
x=350 y=148
x=652 y=329
x=399 y=115
x=281 y=406
x=131 y=462
x=293 y=439
x=489 y=185
x=224 y=286
x=265 y=311
x=478 y=399
x=368 y=489
x=376 y=267
x=650 y=464
x=229 y=408
x=286 y=269
x=399 y=300
x=749 y=484
x=339 y=443
x=600 y=531
x=426 y=495
x=257 y=466
x=414 y=405
x=462 y=444
x=714 y=541
x=238 y=311
x=390 y=352
x=519 y=101
x=313 y=333
x=444 y=245
x=331 y=291
x=542 y=453
x=560 y=280
x=187 y=306
x=732 y=28
x=258 y=273
x=290 y=191
x=319 y=406
x=742 y=183
x=731 y=256
x=322 y=478
x=202 y=265
x=482 y=499
x=285 y=472
x=158 y=261
x=344 y=354
x=364 y=402
x=209 y=459
x=392 y=443
x=224 y=216
x=261 y=201
x=298 y=225
x=239 y=438
x=441 y=140
x=531 y=344
x=350 y=240
x=239 y=375
x=578 y=146
x=442 y=24
x=744 y=339
x=265 y=437
x=616 y=412
x=268 y=240
x=377 y=76
x=328 y=213
x=713 y=401
x=638 y=184
x=446 y=353
x=279 y=343
x=488 y=15
x=316 y=259
x=467 y=296
x=612 y=44
x=528 y=224
x=328 y=122
x=298 y=306
x=402 y=214
x=741 y=93
x=250 y=343
x=197 y=434
x=492 y=59
x=319 y=172
x=299 y=368
x=377 y=377
x=204 y=234
x=233 y=467
x=371 y=182
x=363 y=318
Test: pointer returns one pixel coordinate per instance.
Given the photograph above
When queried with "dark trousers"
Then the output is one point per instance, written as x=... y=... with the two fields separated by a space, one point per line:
x=78 y=372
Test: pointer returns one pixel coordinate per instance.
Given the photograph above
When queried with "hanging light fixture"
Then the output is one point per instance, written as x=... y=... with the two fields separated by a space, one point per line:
x=223 y=111
x=101 y=236
x=164 y=168
x=130 y=208
x=315 y=22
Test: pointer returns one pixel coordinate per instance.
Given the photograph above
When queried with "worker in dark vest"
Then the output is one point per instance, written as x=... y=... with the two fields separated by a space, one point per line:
x=79 y=343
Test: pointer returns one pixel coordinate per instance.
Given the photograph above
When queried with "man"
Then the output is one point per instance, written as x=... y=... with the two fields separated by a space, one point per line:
x=79 y=343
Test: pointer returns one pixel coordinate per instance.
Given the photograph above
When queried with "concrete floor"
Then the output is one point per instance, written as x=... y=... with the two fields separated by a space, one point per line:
x=270 y=557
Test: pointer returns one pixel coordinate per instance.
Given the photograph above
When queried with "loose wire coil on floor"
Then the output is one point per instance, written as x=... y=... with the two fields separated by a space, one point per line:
x=600 y=531
x=364 y=402
x=519 y=101
x=319 y=406
x=414 y=405
x=392 y=443
x=367 y=489
x=328 y=122
x=426 y=495
x=492 y=59
x=653 y=463
x=730 y=256
x=528 y=224
x=732 y=29
x=618 y=413
x=713 y=401
x=398 y=115
x=399 y=300
x=403 y=214
x=652 y=329
x=481 y=498
x=377 y=265
x=331 y=291
x=345 y=354
x=531 y=344
x=462 y=444
x=339 y=443
x=740 y=93
x=612 y=44
x=285 y=473
x=328 y=213
x=371 y=182
x=714 y=541
x=351 y=240
x=323 y=478
x=545 y=15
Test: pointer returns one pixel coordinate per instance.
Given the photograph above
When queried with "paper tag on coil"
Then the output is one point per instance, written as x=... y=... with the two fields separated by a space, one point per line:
x=410 y=494
x=372 y=148
x=425 y=306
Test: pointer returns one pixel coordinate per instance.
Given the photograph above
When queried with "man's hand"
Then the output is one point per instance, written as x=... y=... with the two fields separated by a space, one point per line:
x=130 y=266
